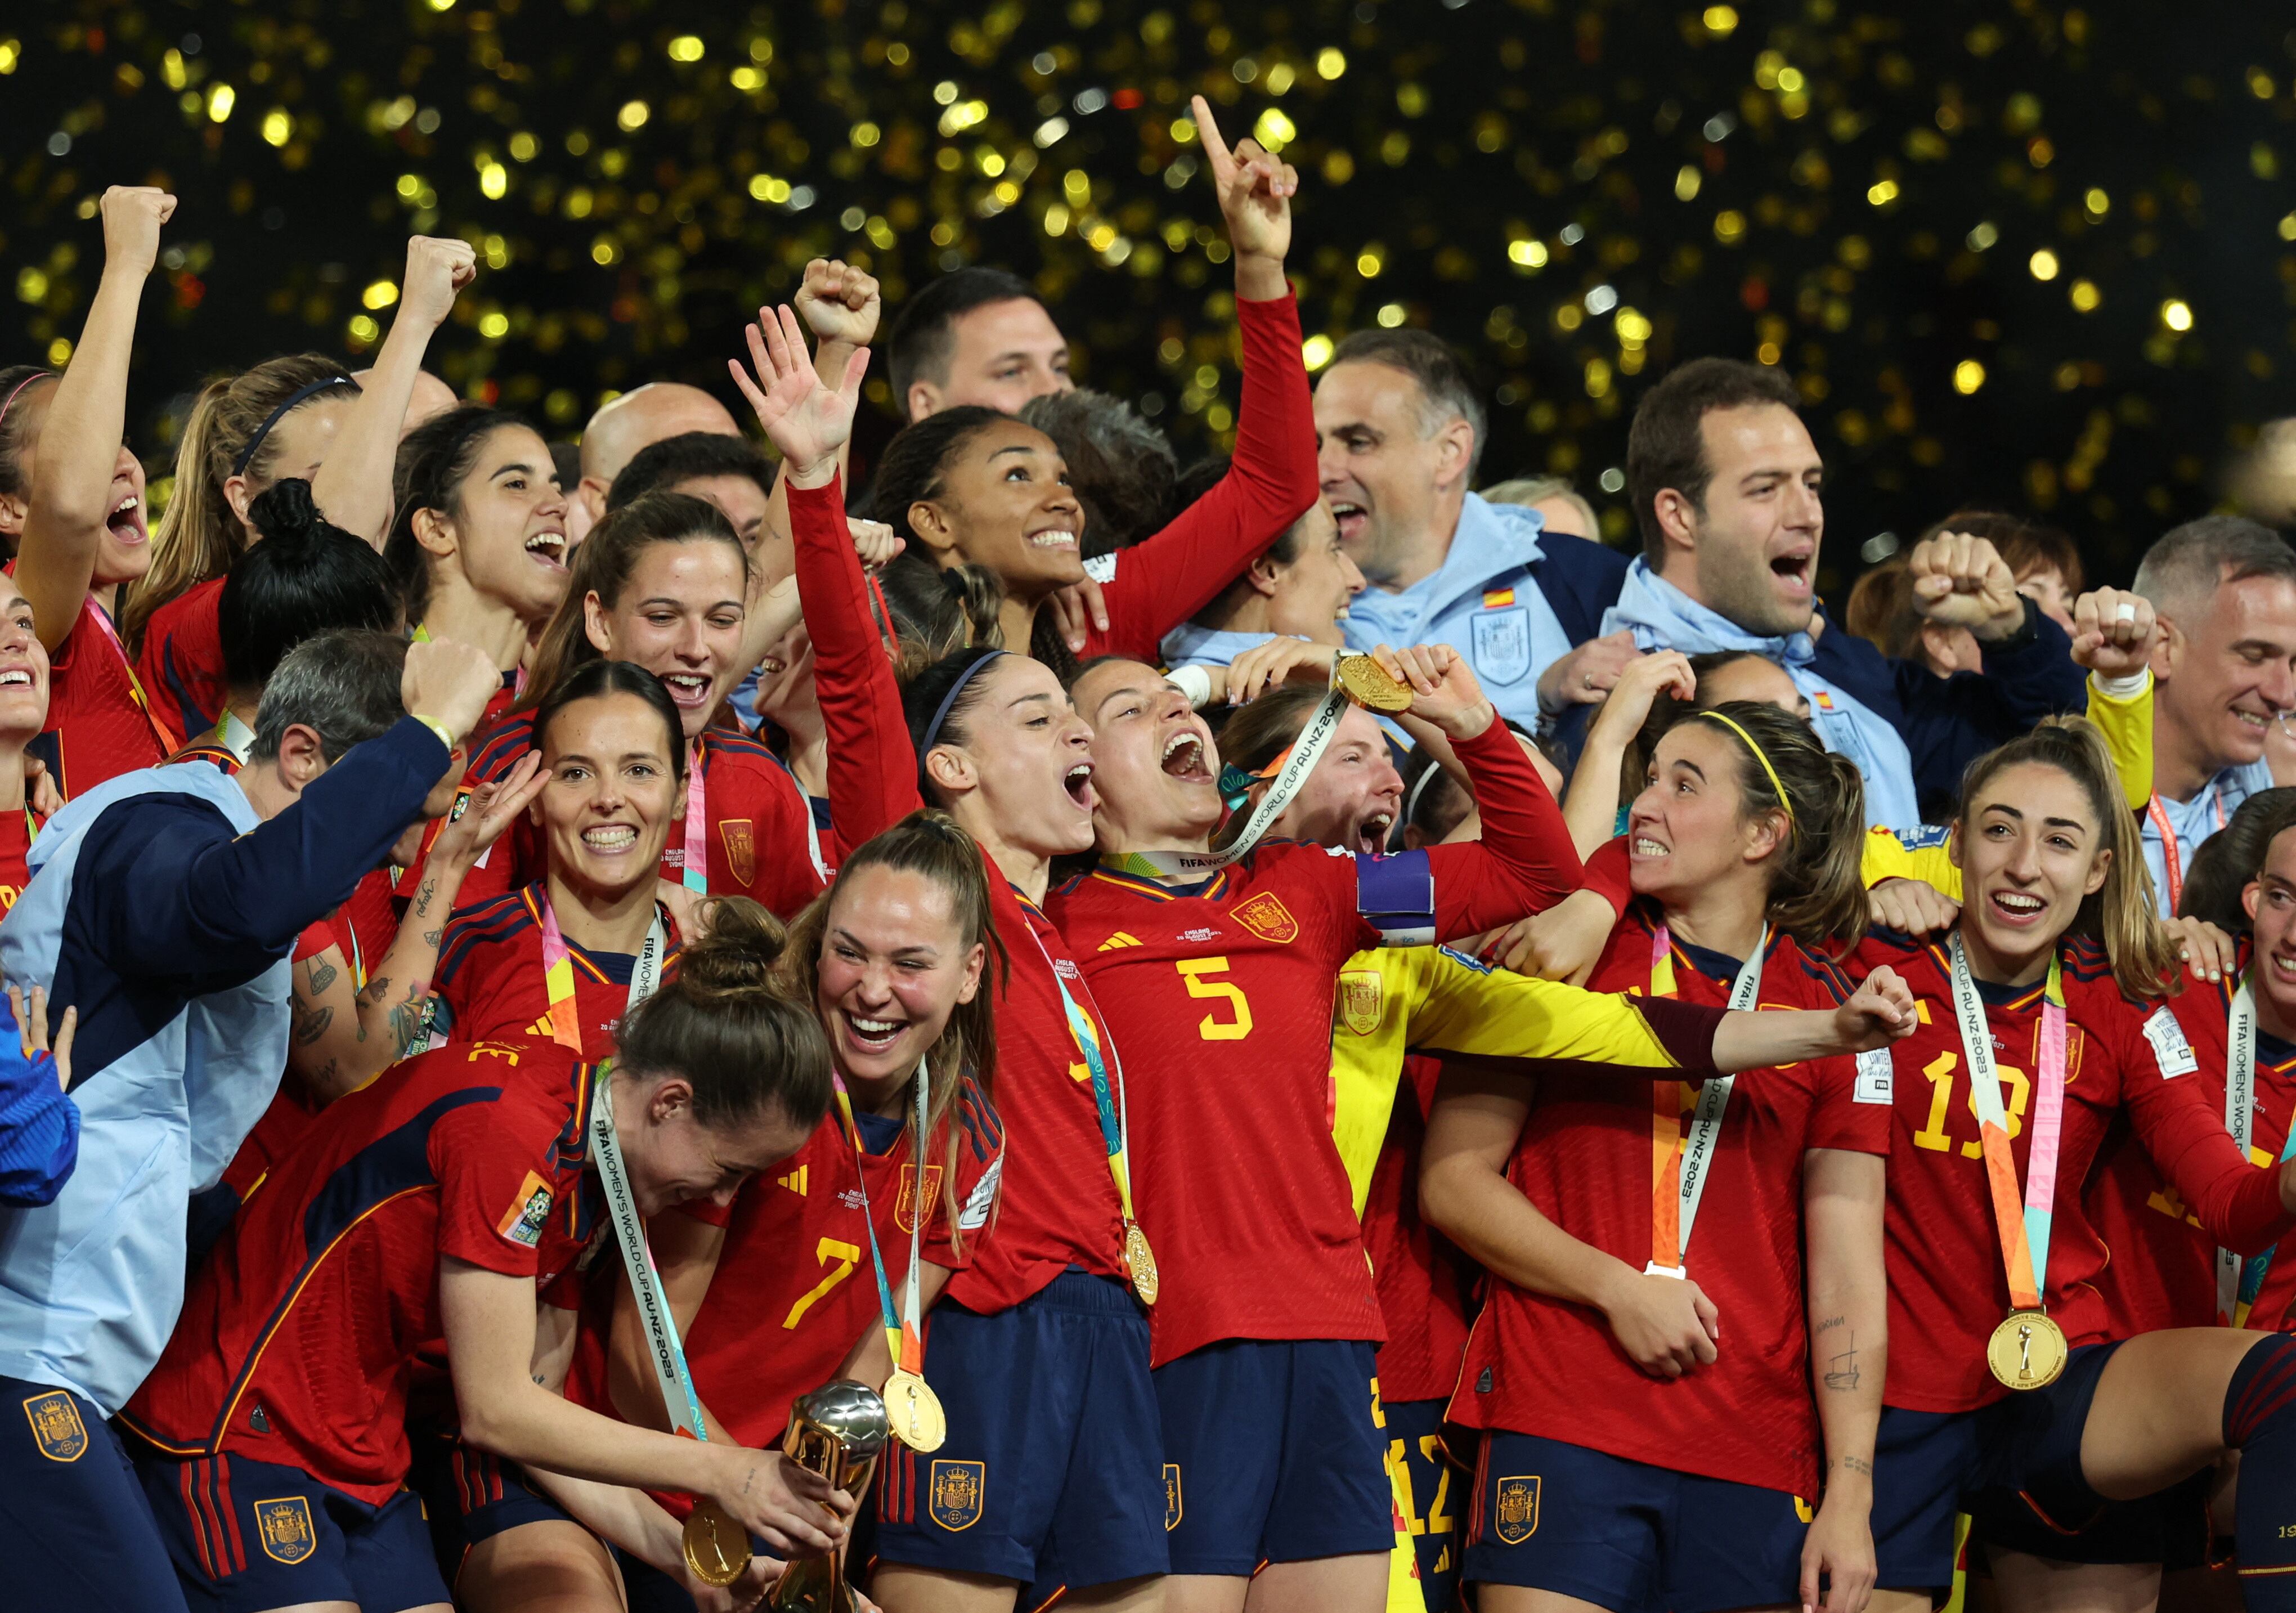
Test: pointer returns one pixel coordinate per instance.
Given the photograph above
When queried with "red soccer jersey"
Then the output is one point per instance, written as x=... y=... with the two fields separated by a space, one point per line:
x=1947 y=1288
x=1545 y=1366
x=1420 y=1277
x=1248 y=960
x=181 y=661
x=794 y=1289
x=100 y=725
x=16 y=831
x=490 y=980
x=299 y=1337
x=760 y=818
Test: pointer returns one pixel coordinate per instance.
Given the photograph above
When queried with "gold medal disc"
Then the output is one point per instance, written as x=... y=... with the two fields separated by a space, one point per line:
x=1140 y=1260
x=914 y=1412
x=1367 y=684
x=717 y=1548
x=2028 y=1350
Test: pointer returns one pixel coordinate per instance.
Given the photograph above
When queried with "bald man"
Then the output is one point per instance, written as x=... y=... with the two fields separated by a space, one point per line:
x=432 y=398
x=651 y=413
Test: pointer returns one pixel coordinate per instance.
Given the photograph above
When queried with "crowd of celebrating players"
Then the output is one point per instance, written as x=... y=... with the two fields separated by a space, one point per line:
x=1215 y=995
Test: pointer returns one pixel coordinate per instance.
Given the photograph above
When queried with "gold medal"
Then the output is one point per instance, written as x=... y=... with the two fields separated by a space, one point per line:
x=2028 y=1350
x=914 y=1410
x=1140 y=1260
x=1367 y=684
x=717 y=1548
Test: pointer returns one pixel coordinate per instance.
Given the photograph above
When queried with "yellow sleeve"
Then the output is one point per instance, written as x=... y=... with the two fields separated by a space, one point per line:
x=1473 y=1010
x=2127 y=725
x=1886 y=856
x=1377 y=990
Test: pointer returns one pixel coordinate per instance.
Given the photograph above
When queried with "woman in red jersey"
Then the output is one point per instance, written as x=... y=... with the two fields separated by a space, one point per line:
x=444 y=1205
x=23 y=715
x=478 y=539
x=661 y=582
x=1039 y=1351
x=71 y=501
x=1675 y=1433
x=786 y=1288
x=298 y=416
x=969 y=486
x=2012 y=1389
x=564 y=956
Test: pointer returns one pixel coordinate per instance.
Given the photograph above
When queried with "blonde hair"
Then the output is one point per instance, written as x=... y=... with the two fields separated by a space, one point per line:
x=2121 y=914
x=200 y=534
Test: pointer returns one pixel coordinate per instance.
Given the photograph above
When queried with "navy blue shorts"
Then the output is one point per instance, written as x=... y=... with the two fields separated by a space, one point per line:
x=1627 y=1535
x=1054 y=1452
x=1929 y=1465
x=2170 y=1529
x=1273 y=1452
x=246 y=1535
x=75 y=1530
x=1437 y=1490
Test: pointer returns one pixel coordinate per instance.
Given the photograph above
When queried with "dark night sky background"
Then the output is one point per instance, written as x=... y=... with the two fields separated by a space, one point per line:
x=1579 y=195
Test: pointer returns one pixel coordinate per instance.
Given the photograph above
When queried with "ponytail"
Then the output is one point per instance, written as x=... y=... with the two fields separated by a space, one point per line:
x=937 y=613
x=306 y=578
x=725 y=1020
x=2121 y=914
x=927 y=843
x=229 y=433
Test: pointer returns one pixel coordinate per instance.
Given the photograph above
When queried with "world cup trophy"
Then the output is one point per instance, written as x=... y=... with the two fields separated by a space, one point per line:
x=836 y=1431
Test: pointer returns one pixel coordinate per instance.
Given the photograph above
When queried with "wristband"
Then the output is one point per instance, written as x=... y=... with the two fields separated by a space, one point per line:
x=446 y=736
x=2123 y=688
x=1194 y=681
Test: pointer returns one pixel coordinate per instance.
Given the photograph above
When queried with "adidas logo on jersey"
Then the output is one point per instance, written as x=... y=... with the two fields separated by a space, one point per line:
x=794 y=1181
x=1118 y=939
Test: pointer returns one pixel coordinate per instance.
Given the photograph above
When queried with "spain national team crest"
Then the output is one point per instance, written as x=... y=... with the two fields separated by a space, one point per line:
x=1361 y=994
x=529 y=1214
x=1172 y=1507
x=741 y=848
x=284 y=1528
x=56 y=1426
x=905 y=1204
x=954 y=1497
x=1514 y=1514
x=1268 y=918
x=1502 y=643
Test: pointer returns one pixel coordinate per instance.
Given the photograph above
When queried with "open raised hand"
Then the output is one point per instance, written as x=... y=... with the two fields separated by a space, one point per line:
x=808 y=421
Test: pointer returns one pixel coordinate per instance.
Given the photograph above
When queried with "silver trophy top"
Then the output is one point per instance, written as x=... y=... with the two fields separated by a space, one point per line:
x=854 y=1414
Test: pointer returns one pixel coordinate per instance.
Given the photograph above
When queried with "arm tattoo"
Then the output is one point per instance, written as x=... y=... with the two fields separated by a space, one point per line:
x=323 y=975
x=311 y=1024
x=375 y=988
x=406 y=1022
x=422 y=896
x=1842 y=1369
x=1858 y=1464
x=1831 y=1322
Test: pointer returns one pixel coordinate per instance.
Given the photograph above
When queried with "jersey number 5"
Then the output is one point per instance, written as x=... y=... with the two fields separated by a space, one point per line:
x=840 y=1259
x=1211 y=1027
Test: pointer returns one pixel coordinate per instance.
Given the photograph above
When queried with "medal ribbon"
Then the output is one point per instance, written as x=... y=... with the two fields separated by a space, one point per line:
x=1107 y=1097
x=1679 y=1175
x=697 y=827
x=668 y=1354
x=904 y=1330
x=558 y=974
x=2172 y=861
x=94 y=613
x=2024 y=1234
x=2239 y=1282
x=1314 y=740
x=233 y=736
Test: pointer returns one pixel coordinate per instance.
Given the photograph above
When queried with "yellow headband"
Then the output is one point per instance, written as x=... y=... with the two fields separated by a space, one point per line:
x=1784 y=800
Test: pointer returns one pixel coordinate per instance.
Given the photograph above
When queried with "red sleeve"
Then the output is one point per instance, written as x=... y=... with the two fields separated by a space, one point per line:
x=2183 y=1129
x=1607 y=876
x=1849 y=1115
x=873 y=768
x=496 y=1192
x=978 y=1136
x=1163 y=581
x=315 y=939
x=1525 y=861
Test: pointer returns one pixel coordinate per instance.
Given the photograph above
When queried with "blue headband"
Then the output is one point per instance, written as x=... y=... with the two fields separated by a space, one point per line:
x=238 y=466
x=940 y=714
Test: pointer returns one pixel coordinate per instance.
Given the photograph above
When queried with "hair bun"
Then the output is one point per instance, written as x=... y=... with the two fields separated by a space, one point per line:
x=285 y=512
x=736 y=955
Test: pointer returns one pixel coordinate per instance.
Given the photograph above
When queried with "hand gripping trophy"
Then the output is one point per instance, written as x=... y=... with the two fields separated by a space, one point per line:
x=837 y=1431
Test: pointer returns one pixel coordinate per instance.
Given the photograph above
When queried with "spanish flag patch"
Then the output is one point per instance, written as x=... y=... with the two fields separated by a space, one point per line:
x=1493 y=598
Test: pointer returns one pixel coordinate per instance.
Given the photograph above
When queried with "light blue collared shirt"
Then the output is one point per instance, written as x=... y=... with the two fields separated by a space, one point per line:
x=2209 y=809
x=1508 y=641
